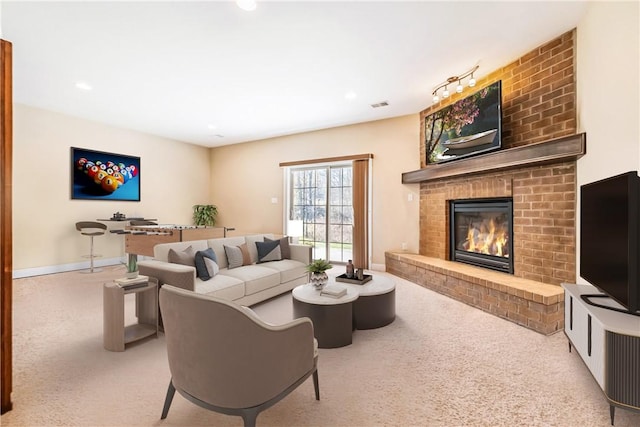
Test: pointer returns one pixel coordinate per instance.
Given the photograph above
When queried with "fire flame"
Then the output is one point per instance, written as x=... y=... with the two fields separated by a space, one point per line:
x=487 y=238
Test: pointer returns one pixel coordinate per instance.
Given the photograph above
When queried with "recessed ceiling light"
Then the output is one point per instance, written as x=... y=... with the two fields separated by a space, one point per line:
x=212 y=127
x=247 y=5
x=83 y=86
x=350 y=95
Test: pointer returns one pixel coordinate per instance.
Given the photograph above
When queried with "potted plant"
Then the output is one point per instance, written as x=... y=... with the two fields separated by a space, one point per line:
x=318 y=270
x=205 y=215
x=132 y=266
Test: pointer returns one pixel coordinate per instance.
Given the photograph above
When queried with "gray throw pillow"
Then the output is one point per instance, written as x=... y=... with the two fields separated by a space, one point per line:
x=186 y=257
x=212 y=267
x=285 y=250
x=237 y=256
x=268 y=251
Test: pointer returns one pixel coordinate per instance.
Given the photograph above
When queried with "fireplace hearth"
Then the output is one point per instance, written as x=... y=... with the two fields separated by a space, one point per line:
x=481 y=232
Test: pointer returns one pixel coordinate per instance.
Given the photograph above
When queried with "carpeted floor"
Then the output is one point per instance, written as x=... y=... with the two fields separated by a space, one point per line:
x=441 y=363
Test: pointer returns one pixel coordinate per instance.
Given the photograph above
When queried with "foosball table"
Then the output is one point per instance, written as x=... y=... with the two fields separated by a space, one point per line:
x=141 y=239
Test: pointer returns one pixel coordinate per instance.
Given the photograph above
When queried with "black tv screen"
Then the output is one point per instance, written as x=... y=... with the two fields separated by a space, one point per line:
x=609 y=237
x=470 y=126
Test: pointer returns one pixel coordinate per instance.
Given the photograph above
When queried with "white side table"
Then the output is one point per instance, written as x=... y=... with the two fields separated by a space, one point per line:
x=116 y=334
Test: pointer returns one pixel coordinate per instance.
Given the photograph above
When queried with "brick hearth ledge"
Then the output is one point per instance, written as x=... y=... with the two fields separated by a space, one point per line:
x=535 y=305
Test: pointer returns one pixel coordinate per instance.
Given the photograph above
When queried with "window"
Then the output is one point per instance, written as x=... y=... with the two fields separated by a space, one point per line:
x=320 y=198
x=328 y=206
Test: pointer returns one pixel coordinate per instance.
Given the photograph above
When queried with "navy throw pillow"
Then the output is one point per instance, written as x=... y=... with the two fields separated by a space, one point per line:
x=285 y=250
x=201 y=267
x=269 y=251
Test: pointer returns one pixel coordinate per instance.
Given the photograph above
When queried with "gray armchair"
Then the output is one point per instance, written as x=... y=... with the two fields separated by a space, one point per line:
x=222 y=357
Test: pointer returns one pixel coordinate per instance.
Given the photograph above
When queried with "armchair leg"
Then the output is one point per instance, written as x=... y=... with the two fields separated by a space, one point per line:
x=249 y=417
x=167 y=401
x=316 y=386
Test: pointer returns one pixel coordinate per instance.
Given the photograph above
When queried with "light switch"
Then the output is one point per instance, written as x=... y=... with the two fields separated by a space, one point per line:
x=274 y=200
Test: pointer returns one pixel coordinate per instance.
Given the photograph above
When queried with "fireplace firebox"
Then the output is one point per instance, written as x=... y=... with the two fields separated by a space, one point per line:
x=481 y=232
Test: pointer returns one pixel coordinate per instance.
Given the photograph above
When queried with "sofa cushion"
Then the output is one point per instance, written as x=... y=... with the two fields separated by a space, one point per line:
x=285 y=249
x=256 y=278
x=237 y=256
x=268 y=251
x=221 y=286
x=206 y=266
x=289 y=269
x=185 y=257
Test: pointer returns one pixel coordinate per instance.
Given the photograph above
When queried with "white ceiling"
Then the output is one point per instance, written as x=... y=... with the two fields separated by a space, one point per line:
x=173 y=68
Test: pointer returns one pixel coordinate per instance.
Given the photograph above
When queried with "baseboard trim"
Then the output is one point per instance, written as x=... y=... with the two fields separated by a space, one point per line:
x=62 y=268
x=378 y=267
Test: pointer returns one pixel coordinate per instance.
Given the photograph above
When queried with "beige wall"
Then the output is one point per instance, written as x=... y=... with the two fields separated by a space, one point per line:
x=608 y=58
x=608 y=89
x=245 y=177
x=174 y=176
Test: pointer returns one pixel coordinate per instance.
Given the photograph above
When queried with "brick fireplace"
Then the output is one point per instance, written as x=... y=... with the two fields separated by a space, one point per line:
x=544 y=202
x=536 y=170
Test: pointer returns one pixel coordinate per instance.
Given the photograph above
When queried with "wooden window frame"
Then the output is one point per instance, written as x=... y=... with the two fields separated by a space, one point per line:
x=361 y=188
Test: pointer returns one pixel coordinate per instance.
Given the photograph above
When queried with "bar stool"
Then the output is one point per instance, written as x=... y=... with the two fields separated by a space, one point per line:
x=91 y=229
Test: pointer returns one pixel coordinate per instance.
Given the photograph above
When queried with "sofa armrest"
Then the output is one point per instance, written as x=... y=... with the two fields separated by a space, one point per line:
x=178 y=275
x=301 y=253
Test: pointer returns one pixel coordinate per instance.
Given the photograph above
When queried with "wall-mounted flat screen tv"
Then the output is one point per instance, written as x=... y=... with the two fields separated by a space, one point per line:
x=610 y=237
x=470 y=126
x=98 y=175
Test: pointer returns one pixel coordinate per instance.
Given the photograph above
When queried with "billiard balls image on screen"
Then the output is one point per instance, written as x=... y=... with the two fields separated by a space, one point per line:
x=105 y=176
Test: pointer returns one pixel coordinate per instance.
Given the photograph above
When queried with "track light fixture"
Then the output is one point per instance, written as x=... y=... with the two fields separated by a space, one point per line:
x=455 y=79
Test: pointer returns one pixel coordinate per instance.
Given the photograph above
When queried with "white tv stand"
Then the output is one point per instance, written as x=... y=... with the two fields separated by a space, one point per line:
x=609 y=344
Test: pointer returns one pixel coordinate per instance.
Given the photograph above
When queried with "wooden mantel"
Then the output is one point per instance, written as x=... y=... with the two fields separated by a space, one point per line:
x=553 y=151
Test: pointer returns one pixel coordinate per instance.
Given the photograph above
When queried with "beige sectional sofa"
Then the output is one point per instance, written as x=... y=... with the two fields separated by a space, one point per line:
x=247 y=284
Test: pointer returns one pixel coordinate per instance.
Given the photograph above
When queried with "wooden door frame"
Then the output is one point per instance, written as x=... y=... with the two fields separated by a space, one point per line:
x=6 y=252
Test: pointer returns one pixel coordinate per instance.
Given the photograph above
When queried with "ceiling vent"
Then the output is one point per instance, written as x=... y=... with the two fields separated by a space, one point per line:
x=380 y=104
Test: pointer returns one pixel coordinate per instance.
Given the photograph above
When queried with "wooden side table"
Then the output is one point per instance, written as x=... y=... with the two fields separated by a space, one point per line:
x=116 y=334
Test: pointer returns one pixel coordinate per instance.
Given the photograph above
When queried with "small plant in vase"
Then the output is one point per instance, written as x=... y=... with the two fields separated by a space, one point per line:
x=132 y=266
x=318 y=270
